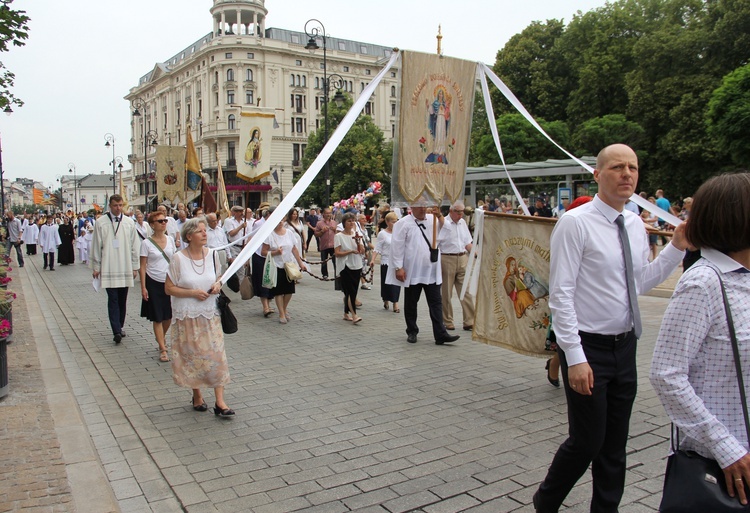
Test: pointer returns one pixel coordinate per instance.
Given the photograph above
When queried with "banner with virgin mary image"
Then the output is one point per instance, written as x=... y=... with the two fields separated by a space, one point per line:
x=512 y=308
x=254 y=153
x=170 y=172
x=434 y=127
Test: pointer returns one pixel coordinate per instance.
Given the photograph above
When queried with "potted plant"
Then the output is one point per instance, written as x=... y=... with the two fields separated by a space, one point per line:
x=6 y=308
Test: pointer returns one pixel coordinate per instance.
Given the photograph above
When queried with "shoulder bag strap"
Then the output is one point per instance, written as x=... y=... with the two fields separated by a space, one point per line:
x=159 y=248
x=423 y=235
x=737 y=365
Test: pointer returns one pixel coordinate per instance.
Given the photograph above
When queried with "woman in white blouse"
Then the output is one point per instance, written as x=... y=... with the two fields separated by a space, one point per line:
x=282 y=244
x=294 y=223
x=388 y=293
x=348 y=249
x=693 y=369
x=156 y=306
x=142 y=227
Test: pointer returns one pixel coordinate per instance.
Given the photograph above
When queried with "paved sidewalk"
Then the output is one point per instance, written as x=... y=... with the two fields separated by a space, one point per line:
x=331 y=417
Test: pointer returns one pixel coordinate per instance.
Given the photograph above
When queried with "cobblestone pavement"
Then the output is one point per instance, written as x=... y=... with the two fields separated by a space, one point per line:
x=331 y=417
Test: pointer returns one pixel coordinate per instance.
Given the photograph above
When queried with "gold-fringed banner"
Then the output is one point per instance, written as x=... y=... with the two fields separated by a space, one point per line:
x=512 y=300
x=256 y=127
x=437 y=95
x=170 y=172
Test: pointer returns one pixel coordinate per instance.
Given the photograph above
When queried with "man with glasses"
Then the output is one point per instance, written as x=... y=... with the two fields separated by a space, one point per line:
x=454 y=242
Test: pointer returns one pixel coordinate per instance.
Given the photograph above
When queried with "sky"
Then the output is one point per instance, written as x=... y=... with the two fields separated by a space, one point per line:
x=83 y=56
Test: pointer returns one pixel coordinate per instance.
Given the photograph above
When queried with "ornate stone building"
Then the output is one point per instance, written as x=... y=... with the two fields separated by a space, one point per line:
x=239 y=63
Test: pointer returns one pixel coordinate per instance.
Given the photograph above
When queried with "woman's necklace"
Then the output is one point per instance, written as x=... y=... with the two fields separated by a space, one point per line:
x=195 y=266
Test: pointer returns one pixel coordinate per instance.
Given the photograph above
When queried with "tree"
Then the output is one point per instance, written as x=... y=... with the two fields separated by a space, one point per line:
x=13 y=31
x=522 y=142
x=361 y=158
x=728 y=116
x=593 y=135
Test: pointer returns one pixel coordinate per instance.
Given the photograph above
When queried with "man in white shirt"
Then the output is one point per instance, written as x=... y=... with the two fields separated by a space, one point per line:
x=216 y=238
x=454 y=242
x=412 y=266
x=599 y=262
x=236 y=227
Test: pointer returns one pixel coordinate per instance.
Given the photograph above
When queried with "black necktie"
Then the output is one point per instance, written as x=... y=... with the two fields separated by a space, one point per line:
x=632 y=294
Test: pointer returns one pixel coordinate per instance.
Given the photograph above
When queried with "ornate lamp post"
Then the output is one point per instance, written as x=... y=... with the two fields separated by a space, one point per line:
x=149 y=138
x=72 y=169
x=111 y=142
x=317 y=30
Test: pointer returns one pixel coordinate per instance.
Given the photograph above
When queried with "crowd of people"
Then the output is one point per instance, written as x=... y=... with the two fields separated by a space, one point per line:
x=601 y=258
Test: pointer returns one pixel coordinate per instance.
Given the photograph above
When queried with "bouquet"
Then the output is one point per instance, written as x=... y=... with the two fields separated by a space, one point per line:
x=5 y=329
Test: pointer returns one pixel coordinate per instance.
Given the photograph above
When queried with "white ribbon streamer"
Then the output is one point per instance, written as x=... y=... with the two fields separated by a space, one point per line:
x=304 y=182
x=475 y=257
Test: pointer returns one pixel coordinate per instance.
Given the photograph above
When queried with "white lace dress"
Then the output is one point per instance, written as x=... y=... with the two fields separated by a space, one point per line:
x=198 y=356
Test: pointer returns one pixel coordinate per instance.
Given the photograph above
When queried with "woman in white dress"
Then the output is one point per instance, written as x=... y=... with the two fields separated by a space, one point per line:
x=142 y=227
x=294 y=223
x=282 y=244
x=348 y=248
x=193 y=281
x=390 y=294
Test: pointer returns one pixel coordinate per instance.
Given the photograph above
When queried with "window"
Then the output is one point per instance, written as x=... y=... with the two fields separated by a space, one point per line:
x=292 y=123
x=342 y=45
x=230 y=75
x=368 y=108
x=317 y=83
x=346 y=68
x=297 y=103
x=298 y=62
x=298 y=125
x=212 y=58
x=231 y=122
x=165 y=121
x=318 y=101
x=393 y=131
x=178 y=116
x=250 y=55
x=228 y=55
x=291 y=80
x=216 y=98
x=393 y=91
x=297 y=81
x=249 y=75
x=249 y=97
x=362 y=49
x=368 y=72
x=393 y=109
x=179 y=136
x=216 y=77
x=393 y=74
x=295 y=40
x=200 y=109
x=304 y=81
x=322 y=66
x=230 y=151
x=230 y=97
x=298 y=153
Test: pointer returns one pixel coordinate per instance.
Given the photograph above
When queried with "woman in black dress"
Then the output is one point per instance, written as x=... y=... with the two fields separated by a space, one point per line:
x=66 y=251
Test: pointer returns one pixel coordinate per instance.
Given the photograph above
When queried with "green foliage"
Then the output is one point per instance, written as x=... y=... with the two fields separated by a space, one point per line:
x=654 y=64
x=728 y=116
x=13 y=32
x=361 y=158
x=521 y=142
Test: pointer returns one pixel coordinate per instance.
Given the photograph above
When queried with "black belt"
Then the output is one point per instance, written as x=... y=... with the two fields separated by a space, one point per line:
x=453 y=254
x=606 y=338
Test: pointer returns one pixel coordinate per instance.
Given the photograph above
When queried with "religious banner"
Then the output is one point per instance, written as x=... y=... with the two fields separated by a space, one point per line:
x=256 y=125
x=512 y=308
x=437 y=95
x=170 y=172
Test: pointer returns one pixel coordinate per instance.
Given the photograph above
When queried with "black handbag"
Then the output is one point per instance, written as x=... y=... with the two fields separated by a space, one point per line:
x=694 y=483
x=234 y=283
x=228 y=320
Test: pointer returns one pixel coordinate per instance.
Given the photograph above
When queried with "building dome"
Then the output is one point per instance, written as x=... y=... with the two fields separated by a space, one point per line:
x=239 y=17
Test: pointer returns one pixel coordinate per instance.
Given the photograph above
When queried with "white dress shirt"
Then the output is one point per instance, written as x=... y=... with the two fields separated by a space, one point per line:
x=230 y=224
x=411 y=252
x=217 y=237
x=588 y=288
x=454 y=237
x=693 y=369
x=383 y=246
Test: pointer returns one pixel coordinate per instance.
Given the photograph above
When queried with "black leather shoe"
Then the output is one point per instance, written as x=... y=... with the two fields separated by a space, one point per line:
x=117 y=338
x=446 y=339
x=411 y=338
x=122 y=333
x=468 y=328
x=225 y=412
x=200 y=407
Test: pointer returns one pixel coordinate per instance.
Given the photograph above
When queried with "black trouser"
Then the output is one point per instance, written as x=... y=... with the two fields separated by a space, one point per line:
x=51 y=258
x=324 y=254
x=310 y=235
x=31 y=249
x=412 y=294
x=598 y=426
x=350 y=286
x=9 y=245
x=117 y=302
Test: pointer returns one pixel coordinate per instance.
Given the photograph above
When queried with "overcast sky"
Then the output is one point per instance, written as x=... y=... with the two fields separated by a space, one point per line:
x=83 y=56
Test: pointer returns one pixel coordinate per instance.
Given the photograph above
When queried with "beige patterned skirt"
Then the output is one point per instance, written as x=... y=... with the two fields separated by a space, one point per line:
x=198 y=356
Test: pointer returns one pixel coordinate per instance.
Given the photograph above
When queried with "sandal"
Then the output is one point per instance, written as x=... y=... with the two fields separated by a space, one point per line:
x=347 y=318
x=396 y=310
x=163 y=355
x=355 y=321
x=267 y=313
x=386 y=304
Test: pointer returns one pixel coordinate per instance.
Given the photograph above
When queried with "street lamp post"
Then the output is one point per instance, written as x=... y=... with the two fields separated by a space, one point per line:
x=317 y=30
x=111 y=142
x=72 y=169
x=7 y=111
x=149 y=139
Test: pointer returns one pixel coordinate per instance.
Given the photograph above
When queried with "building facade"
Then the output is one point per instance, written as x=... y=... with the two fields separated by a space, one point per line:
x=240 y=63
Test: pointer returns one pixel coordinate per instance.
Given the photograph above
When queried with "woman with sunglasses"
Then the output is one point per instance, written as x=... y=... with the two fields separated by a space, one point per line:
x=156 y=253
